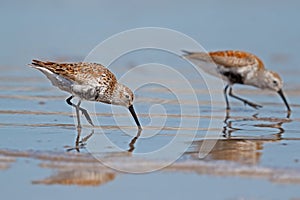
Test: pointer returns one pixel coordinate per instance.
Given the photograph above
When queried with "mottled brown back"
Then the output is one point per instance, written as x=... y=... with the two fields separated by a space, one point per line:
x=83 y=73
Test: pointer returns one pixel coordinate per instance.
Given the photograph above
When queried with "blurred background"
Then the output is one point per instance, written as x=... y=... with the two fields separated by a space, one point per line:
x=52 y=29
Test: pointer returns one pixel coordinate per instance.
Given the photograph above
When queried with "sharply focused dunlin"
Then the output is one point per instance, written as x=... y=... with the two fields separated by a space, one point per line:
x=238 y=67
x=87 y=81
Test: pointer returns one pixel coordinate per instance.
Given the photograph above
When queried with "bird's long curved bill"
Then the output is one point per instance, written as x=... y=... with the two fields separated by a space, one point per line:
x=131 y=109
x=280 y=92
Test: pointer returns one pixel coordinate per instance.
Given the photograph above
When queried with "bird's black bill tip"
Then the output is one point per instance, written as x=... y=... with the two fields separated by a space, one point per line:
x=280 y=92
x=131 y=109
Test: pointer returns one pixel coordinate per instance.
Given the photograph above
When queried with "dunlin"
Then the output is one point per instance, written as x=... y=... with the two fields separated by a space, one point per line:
x=238 y=67
x=87 y=81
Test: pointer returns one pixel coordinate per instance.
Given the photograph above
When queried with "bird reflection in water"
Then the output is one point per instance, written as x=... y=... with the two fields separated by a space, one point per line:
x=268 y=122
x=133 y=141
x=80 y=143
x=89 y=176
x=243 y=149
x=80 y=177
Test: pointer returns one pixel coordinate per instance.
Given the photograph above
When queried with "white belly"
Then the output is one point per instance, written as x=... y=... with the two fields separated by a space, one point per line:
x=85 y=92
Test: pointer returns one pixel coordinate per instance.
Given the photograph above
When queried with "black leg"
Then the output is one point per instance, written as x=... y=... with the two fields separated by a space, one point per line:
x=77 y=110
x=254 y=105
x=77 y=114
x=226 y=97
x=68 y=100
x=77 y=107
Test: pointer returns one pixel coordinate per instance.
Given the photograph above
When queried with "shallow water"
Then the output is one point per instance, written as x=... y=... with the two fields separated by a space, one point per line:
x=256 y=155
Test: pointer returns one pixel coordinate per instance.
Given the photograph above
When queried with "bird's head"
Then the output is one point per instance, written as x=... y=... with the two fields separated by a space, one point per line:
x=272 y=81
x=123 y=96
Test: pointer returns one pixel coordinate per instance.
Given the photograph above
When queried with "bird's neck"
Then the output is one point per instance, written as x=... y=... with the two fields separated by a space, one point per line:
x=116 y=95
x=258 y=80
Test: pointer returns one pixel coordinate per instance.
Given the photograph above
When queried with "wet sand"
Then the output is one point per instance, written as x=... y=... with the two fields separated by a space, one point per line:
x=255 y=153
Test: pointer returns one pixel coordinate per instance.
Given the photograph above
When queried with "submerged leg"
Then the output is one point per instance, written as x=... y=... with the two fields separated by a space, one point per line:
x=254 y=105
x=226 y=97
x=77 y=107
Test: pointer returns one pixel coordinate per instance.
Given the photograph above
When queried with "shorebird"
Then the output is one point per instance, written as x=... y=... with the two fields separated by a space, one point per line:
x=238 y=67
x=87 y=81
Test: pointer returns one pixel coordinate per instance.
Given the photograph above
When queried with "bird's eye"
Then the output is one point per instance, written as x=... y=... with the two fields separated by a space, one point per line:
x=127 y=96
x=275 y=82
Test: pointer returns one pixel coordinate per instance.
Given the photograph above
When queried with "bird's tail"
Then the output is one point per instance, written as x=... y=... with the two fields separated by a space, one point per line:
x=200 y=56
x=38 y=63
x=186 y=53
x=203 y=60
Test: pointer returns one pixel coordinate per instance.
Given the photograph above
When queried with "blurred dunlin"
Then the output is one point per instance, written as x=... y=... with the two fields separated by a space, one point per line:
x=238 y=67
x=87 y=81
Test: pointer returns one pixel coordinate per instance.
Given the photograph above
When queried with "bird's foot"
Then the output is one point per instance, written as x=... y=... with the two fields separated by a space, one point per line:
x=253 y=105
x=87 y=116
